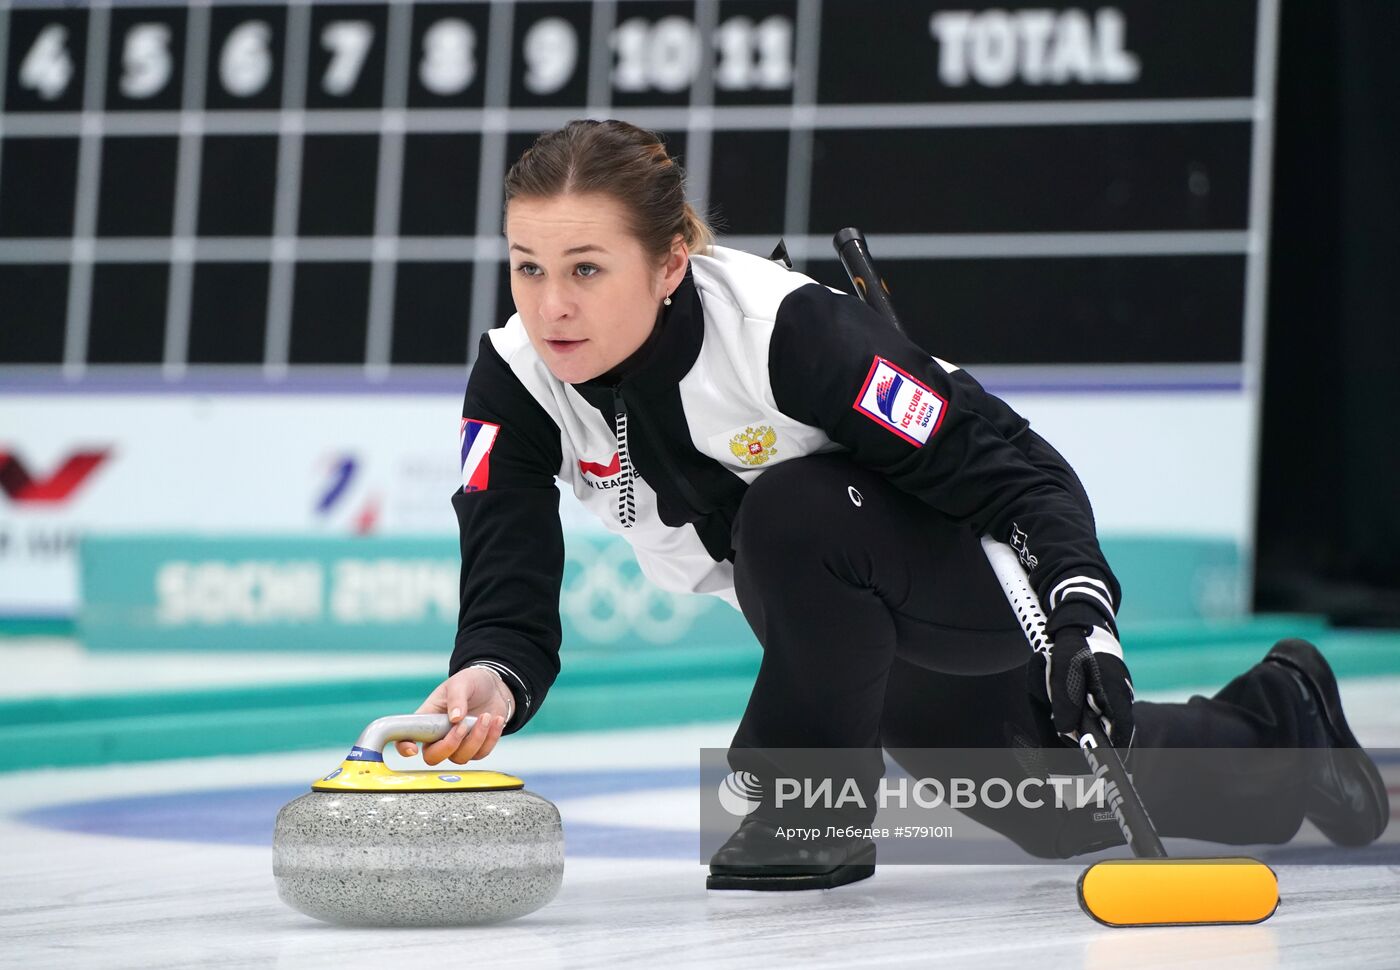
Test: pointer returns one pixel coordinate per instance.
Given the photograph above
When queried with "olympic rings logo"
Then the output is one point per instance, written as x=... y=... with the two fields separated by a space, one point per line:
x=606 y=598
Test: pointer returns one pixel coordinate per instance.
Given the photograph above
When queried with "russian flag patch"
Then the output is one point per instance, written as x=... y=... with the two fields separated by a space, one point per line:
x=477 y=437
x=899 y=402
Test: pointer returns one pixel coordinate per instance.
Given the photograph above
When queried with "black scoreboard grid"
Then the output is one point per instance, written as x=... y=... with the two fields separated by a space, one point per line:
x=199 y=191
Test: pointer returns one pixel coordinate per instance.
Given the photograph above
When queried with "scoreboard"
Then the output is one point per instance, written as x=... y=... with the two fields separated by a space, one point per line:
x=275 y=187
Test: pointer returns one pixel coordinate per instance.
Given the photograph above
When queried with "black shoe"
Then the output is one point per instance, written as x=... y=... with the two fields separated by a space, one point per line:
x=756 y=858
x=1346 y=798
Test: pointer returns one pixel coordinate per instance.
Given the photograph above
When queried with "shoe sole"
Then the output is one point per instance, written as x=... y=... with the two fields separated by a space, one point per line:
x=861 y=867
x=1304 y=658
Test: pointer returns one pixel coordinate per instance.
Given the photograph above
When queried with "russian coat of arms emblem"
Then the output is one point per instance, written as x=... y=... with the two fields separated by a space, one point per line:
x=754 y=446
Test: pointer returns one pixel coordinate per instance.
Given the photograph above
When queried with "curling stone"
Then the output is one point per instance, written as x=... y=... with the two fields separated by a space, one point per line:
x=369 y=846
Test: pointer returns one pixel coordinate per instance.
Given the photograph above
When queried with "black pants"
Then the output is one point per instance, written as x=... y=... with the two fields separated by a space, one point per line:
x=883 y=625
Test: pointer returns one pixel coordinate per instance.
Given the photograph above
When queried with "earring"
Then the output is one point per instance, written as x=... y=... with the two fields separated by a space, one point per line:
x=667 y=301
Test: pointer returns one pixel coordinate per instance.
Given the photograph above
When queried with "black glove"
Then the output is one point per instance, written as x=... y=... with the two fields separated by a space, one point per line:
x=1085 y=667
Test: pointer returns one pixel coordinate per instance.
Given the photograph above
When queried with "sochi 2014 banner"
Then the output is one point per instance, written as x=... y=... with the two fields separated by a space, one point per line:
x=1159 y=467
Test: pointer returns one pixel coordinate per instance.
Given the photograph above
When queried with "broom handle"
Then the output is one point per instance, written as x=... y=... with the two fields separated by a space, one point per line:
x=1103 y=758
x=1123 y=799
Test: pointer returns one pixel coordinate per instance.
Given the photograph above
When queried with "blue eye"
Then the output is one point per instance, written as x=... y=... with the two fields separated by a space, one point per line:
x=528 y=269
x=587 y=270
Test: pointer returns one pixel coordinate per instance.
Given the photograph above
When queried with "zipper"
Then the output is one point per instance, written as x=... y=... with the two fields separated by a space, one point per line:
x=626 y=502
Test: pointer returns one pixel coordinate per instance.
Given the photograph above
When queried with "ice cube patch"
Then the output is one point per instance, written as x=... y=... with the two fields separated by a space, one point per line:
x=899 y=402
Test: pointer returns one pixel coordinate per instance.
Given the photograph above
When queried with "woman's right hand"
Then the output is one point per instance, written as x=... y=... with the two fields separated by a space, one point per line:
x=475 y=691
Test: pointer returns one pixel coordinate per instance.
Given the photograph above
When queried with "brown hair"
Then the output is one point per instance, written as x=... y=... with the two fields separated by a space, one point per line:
x=622 y=161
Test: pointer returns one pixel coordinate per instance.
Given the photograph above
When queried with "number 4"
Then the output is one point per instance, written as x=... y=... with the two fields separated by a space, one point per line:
x=48 y=68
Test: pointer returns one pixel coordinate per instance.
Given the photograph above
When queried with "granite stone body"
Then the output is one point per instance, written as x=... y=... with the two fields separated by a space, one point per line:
x=418 y=858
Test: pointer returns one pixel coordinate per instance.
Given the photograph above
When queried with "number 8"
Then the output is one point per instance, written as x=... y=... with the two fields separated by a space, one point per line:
x=449 y=61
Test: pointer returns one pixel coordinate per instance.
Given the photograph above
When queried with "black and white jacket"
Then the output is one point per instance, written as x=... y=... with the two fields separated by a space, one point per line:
x=752 y=365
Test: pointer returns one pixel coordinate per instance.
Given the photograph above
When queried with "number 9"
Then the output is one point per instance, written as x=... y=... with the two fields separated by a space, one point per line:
x=551 y=54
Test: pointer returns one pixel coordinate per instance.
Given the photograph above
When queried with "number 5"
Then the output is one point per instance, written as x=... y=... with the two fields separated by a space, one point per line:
x=146 y=60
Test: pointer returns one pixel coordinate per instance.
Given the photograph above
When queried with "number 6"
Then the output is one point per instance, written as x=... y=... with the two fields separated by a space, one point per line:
x=245 y=63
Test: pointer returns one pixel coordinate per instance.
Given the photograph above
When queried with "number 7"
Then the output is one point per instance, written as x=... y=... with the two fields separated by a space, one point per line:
x=349 y=42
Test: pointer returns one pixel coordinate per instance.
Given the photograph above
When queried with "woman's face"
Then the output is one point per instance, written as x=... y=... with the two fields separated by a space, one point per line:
x=585 y=289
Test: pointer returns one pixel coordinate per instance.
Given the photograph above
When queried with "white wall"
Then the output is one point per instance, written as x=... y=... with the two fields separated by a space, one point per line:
x=1154 y=462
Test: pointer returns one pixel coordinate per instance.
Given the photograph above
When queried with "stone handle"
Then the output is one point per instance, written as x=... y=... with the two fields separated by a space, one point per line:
x=406 y=727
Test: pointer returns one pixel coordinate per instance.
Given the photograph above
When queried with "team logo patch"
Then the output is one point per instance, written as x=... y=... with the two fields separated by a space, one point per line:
x=477 y=437
x=899 y=402
x=597 y=474
x=754 y=446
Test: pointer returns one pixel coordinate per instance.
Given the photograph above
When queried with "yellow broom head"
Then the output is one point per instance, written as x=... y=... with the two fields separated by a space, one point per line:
x=1178 y=892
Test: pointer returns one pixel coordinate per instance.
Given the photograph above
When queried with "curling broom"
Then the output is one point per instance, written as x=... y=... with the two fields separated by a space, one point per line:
x=1149 y=889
